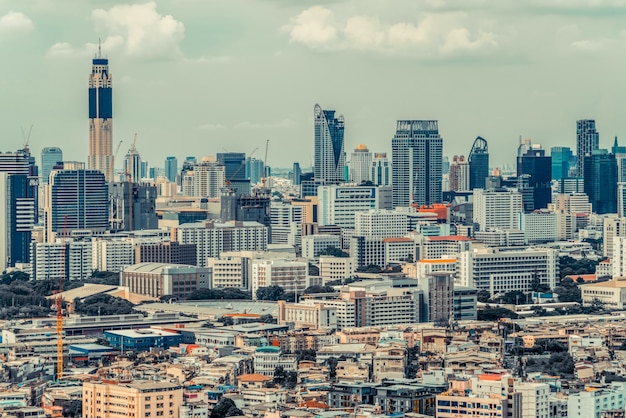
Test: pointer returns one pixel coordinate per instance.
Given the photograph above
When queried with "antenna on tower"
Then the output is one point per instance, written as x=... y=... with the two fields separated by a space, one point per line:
x=99 y=49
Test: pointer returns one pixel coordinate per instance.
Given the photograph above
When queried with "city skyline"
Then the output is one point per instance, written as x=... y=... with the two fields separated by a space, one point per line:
x=467 y=52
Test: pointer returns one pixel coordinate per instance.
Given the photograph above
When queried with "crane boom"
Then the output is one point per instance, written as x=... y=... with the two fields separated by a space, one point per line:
x=59 y=305
x=267 y=143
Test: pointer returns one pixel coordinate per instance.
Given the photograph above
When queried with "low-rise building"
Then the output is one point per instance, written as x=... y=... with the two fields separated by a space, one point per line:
x=157 y=279
x=612 y=294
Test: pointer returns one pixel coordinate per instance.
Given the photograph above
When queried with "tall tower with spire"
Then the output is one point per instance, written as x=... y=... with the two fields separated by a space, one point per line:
x=100 y=117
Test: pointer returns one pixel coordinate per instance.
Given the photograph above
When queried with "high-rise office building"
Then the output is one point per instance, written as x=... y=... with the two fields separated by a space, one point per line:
x=78 y=199
x=234 y=164
x=620 y=156
x=587 y=140
x=600 y=170
x=479 y=163
x=254 y=170
x=380 y=175
x=171 y=168
x=561 y=157
x=459 y=174
x=360 y=164
x=536 y=168
x=22 y=162
x=50 y=157
x=297 y=172
x=132 y=165
x=416 y=163
x=132 y=206
x=101 y=118
x=330 y=157
x=17 y=217
x=204 y=179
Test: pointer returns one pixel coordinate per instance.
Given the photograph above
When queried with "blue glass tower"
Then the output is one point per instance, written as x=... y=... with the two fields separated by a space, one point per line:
x=50 y=157
x=171 y=168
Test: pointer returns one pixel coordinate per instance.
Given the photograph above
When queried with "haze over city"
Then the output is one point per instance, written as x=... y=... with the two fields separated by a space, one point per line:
x=198 y=77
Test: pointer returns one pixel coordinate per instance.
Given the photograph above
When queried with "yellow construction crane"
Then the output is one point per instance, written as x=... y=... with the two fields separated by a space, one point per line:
x=59 y=304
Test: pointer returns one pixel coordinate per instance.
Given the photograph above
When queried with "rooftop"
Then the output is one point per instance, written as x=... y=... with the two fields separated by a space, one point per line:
x=142 y=333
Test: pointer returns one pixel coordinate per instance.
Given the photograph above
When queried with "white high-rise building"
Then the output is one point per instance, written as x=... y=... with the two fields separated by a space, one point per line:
x=212 y=238
x=205 y=179
x=497 y=208
x=313 y=245
x=112 y=254
x=289 y=274
x=360 y=164
x=539 y=226
x=621 y=199
x=286 y=220
x=499 y=271
x=381 y=224
x=612 y=227
x=337 y=204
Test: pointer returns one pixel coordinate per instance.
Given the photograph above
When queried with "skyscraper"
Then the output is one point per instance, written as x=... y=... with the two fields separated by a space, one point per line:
x=601 y=181
x=587 y=140
x=360 y=164
x=459 y=174
x=132 y=165
x=171 y=168
x=80 y=195
x=560 y=162
x=536 y=168
x=100 y=118
x=479 y=163
x=330 y=156
x=416 y=163
x=380 y=170
x=50 y=157
x=234 y=164
x=17 y=217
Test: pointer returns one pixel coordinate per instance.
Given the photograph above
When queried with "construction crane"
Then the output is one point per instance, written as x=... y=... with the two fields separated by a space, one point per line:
x=26 y=137
x=130 y=170
x=59 y=304
x=267 y=143
x=242 y=165
x=111 y=169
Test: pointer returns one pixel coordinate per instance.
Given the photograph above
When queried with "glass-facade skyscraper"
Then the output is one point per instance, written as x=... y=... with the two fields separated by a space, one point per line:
x=536 y=167
x=600 y=170
x=234 y=165
x=330 y=156
x=171 y=168
x=50 y=157
x=561 y=157
x=416 y=160
x=478 y=163
x=587 y=141
x=80 y=195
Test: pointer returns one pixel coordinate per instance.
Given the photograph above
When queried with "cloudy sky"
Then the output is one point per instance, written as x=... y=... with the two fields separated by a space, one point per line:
x=196 y=77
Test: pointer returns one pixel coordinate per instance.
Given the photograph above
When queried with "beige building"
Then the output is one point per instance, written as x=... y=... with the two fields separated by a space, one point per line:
x=139 y=399
x=310 y=314
x=612 y=293
x=335 y=268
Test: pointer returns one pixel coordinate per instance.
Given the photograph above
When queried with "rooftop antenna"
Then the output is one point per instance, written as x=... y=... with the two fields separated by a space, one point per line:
x=99 y=49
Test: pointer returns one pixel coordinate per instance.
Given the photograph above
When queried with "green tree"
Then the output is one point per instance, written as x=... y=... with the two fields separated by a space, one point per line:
x=225 y=408
x=494 y=314
x=568 y=291
x=514 y=297
x=335 y=252
x=272 y=292
x=318 y=289
x=483 y=296
x=372 y=268
x=103 y=305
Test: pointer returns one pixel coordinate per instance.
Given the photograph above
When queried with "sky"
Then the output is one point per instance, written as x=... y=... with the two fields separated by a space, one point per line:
x=197 y=77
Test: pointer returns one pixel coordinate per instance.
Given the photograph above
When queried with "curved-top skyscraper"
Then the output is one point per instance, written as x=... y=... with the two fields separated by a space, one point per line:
x=100 y=118
x=330 y=157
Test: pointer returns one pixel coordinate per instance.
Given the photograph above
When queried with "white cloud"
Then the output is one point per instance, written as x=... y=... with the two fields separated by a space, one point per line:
x=211 y=126
x=136 y=30
x=140 y=30
x=314 y=27
x=434 y=35
x=15 y=23
x=60 y=49
x=285 y=123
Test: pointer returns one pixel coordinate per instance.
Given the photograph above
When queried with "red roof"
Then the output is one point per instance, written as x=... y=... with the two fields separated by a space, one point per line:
x=450 y=238
x=585 y=277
